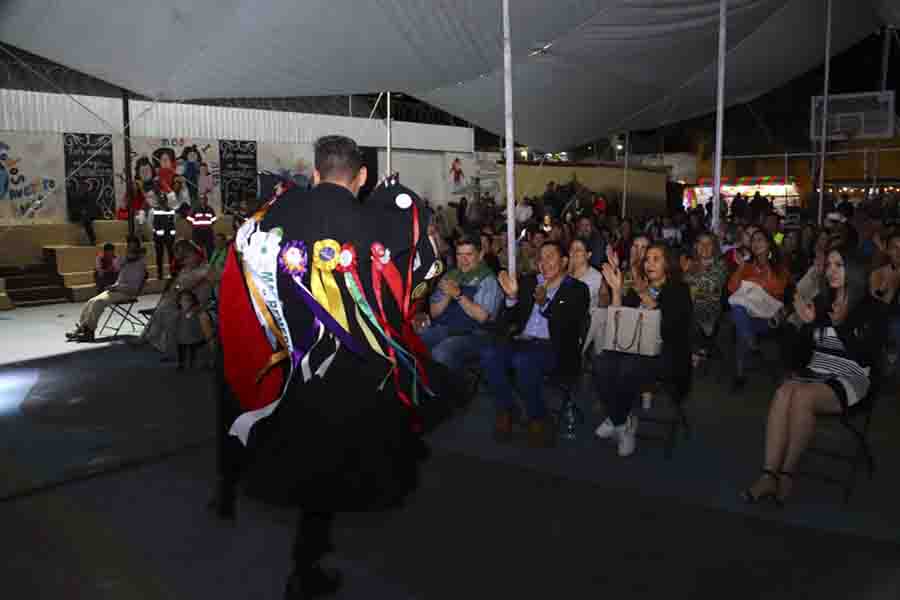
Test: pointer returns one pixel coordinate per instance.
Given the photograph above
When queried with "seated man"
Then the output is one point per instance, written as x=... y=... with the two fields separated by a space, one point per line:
x=130 y=279
x=106 y=268
x=466 y=298
x=548 y=312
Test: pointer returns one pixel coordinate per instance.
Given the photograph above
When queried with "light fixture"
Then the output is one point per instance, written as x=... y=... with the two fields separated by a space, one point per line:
x=620 y=147
x=540 y=49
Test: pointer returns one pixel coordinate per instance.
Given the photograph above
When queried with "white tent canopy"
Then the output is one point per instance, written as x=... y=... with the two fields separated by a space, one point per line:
x=611 y=66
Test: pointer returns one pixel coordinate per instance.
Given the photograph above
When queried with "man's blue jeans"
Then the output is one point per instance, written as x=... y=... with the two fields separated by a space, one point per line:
x=453 y=351
x=530 y=361
x=747 y=329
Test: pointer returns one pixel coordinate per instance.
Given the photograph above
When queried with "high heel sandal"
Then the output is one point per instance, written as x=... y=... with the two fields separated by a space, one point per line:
x=779 y=498
x=748 y=497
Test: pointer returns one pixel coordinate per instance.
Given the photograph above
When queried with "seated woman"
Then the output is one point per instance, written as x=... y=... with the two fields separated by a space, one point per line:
x=635 y=262
x=619 y=376
x=193 y=276
x=580 y=268
x=840 y=342
x=765 y=270
x=705 y=276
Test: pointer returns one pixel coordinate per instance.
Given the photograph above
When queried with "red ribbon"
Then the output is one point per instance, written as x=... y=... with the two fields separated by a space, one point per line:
x=383 y=269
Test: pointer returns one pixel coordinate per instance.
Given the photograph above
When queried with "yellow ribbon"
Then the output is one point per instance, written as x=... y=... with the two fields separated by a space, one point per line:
x=326 y=254
x=370 y=337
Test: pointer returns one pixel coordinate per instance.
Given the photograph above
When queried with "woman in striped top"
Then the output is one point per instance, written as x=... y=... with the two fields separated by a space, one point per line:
x=837 y=346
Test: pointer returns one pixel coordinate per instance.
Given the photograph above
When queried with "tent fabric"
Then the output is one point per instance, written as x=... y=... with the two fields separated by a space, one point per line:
x=611 y=66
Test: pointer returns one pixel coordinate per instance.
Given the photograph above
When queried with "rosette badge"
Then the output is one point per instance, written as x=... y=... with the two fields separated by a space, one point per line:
x=293 y=259
x=326 y=254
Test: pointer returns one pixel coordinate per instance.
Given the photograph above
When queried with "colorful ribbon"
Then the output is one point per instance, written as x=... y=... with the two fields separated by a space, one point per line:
x=396 y=352
x=324 y=287
x=294 y=261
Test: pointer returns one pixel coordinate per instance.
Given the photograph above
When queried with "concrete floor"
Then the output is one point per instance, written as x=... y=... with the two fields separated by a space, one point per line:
x=39 y=331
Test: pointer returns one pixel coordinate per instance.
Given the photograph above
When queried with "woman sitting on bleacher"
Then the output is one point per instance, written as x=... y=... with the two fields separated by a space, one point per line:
x=193 y=276
x=840 y=341
x=619 y=376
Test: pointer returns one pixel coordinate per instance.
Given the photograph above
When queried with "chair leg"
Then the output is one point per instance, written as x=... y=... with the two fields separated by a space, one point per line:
x=682 y=418
x=672 y=438
x=108 y=317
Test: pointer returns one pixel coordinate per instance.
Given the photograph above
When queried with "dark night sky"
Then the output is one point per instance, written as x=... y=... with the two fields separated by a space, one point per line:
x=781 y=121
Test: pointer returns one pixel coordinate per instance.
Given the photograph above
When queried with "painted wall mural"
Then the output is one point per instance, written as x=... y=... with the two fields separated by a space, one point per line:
x=32 y=176
x=186 y=167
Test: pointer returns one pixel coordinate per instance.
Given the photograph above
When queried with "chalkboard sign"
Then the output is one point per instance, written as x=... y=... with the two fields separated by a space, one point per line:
x=237 y=172
x=89 y=173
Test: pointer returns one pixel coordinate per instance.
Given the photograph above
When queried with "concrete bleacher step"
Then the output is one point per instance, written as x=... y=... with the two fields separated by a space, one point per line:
x=7 y=271
x=87 y=277
x=84 y=292
x=46 y=294
x=78 y=259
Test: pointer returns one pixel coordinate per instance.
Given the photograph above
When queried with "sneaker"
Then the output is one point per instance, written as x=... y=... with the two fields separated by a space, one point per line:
x=626 y=436
x=606 y=430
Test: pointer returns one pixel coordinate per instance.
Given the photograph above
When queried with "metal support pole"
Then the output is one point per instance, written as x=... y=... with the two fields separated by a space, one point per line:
x=350 y=105
x=129 y=180
x=510 y=145
x=785 y=182
x=625 y=173
x=720 y=115
x=390 y=167
x=824 y=139
x=886 y=57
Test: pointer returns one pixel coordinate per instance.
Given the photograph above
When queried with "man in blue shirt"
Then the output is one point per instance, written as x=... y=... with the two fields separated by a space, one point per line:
x=549 y=311
x=467 y=298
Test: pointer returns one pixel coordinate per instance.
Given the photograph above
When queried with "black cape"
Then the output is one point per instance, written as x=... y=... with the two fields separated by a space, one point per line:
x=343 y=441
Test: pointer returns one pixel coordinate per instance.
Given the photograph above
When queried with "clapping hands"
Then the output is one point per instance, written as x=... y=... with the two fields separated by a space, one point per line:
x=611 y=272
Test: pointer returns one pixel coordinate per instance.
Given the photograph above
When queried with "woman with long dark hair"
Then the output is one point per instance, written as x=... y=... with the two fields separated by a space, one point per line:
x=619 y=376
x=839 y=341
x=764 y=269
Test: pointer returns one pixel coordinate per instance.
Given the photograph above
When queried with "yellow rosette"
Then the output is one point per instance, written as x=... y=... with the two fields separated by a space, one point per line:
x=325 y=259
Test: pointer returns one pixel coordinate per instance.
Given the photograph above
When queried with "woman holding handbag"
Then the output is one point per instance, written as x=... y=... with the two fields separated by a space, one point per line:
x=619 y=375
x=765 y=270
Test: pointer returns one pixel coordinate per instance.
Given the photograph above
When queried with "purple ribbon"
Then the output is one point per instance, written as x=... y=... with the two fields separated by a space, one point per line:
x=294 y=260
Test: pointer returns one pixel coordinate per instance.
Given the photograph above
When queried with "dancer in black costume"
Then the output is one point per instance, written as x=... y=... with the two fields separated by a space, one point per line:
x=340 y=438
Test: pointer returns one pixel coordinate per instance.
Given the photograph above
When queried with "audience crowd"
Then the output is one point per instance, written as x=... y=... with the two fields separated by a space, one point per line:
x=826 y=296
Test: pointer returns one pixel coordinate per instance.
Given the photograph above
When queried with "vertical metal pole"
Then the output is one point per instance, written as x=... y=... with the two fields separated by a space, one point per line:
x=720 y=115
x=350 y=105
x=625 y=173
x=390 y=141
x=885 y=65
x=129 y=180
x=510 y=145
x=785 y=183
x=824 y=139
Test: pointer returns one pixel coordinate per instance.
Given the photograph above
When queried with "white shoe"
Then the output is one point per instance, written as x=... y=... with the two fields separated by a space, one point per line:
x=627 y=437
x=605 y=430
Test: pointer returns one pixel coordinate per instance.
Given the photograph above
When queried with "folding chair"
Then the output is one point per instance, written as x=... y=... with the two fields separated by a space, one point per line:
x=710 y=346
x=124 y=309
x=855 y=421
x=569 y=415
x=669 y=425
